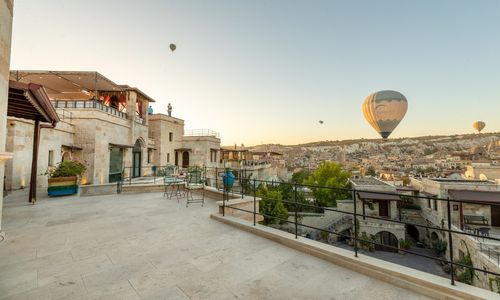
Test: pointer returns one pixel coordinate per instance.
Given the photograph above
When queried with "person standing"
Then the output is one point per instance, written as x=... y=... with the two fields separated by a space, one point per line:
x=169 y=110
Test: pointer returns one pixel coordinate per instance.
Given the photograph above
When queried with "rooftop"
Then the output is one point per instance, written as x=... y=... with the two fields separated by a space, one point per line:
x=368 y=180
x=145 y=246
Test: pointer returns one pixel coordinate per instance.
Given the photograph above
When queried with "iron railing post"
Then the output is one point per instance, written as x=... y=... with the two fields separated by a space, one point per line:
x=296 y=209
x=224 y=195
x=450 y=242
x=254 y=204
x=241 y=182
x=216 y=179
x=355 y=224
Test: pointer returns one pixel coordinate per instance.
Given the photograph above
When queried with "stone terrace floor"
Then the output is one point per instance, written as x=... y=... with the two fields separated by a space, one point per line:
x=143 y=246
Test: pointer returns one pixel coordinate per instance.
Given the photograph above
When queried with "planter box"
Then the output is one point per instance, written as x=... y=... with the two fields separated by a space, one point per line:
x=60 y=186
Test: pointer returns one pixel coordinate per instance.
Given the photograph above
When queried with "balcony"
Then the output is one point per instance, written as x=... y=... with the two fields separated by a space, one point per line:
x=88 y=104
x=202 y=132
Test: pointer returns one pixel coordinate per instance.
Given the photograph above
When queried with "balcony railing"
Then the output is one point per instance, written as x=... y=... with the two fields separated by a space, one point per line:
x=201 y=132
x=65 y=115
x=85 y=104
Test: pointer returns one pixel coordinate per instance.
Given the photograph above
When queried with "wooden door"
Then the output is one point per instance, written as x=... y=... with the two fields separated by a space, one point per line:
x=495 y=215
x=383 y=208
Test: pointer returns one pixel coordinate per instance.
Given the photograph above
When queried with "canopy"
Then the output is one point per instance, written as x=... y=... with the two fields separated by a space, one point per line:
x=481 y=197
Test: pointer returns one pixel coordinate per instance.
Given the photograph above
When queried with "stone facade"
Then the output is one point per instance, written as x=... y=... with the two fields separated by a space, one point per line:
x=92 y=134
x=6 y=11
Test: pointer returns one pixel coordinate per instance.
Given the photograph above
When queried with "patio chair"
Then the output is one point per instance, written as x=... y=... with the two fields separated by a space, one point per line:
x=195 y=182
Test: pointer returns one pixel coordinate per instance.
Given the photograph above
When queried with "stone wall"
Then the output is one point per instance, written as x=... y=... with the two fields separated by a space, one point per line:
x=160 y=126
x=200 y=150
x=6 y=11
x=20 y=142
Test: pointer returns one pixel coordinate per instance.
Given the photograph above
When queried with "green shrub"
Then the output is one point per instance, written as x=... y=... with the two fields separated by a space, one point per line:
x=271 y=205
x=68 y=168
x=411 y=206
x=439 y=247
x=405 y=244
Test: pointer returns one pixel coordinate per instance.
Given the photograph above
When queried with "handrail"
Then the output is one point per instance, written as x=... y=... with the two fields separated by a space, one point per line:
x=446 y=228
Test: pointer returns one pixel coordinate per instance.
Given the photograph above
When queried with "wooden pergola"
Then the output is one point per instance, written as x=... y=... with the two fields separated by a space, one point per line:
x=30 y=101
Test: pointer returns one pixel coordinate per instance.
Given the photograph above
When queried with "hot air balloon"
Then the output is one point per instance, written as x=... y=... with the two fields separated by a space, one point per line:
x=173 y=47
x=384 y=110
x=478 y=125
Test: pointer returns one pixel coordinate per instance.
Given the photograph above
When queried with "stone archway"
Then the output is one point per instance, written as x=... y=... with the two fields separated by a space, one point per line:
x=66 y=156
x=386 y=241
x=412 y=231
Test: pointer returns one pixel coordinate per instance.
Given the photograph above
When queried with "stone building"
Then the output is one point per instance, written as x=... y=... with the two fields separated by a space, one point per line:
x=6 y=11
x=105 y=125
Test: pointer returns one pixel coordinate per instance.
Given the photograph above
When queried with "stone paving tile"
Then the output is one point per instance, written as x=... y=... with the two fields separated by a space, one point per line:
x=144 y=246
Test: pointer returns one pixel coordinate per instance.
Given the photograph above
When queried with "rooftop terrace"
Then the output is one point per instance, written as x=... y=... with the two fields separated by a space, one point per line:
x=143 y=246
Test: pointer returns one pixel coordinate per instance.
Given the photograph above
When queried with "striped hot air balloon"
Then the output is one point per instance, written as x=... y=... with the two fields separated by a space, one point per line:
x=478 y=125
x=384 y=110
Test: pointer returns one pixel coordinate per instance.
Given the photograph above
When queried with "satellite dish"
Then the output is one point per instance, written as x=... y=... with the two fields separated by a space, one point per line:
x=173 y=47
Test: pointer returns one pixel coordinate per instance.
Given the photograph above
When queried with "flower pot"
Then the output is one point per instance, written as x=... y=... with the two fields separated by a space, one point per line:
x=60 y=186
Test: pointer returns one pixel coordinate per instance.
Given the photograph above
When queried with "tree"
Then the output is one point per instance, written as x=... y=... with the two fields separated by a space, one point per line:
x=371 y=171
x=300 y=176
x=271 y=205
x=329 y=174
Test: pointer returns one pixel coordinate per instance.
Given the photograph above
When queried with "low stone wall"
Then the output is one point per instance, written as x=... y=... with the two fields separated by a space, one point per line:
x=426 y=284
x=97 y=189
x=234 y=208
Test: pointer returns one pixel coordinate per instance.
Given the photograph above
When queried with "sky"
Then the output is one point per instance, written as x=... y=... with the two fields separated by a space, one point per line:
x=268 y=71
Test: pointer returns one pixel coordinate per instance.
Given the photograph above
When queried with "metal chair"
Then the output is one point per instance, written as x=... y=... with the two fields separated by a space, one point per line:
x=195 y=182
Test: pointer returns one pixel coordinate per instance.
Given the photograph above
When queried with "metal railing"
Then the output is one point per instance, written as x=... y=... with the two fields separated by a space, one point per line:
x=65 y=115
x=84 y=104
x=213 y=177
x=201 y=132
x=445 y=228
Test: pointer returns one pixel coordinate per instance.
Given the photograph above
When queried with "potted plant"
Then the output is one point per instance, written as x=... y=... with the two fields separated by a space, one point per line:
x=63 y=179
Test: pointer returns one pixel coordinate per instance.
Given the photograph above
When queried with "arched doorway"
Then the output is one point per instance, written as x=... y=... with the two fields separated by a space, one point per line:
x=66 y=156
x=185 y=159
x=136 y=159
x=412 y=231
x=386 y=241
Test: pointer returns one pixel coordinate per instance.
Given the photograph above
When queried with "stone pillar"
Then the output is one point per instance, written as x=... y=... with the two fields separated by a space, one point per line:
x=6 y=10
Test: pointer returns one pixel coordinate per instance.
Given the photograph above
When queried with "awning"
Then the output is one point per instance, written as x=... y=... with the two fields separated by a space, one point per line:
x=30 y=101
x=120 y=145
x=479 y=197
x=73 y=148
x=377 y=196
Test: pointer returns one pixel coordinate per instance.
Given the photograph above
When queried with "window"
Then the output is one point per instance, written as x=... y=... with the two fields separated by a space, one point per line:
x=170 y=136
x=429 y=203
x=51 y=158
x=213 y=155
x=435 y=204
x=168 y=157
